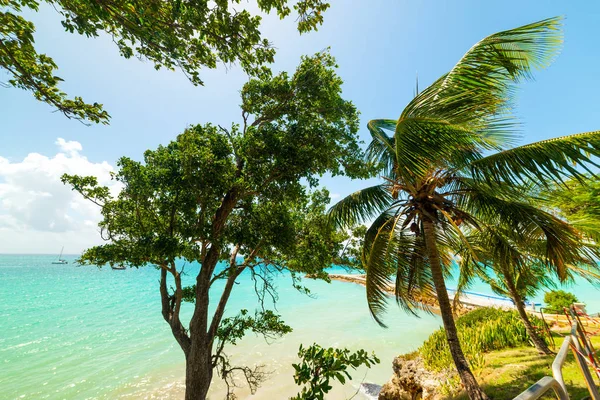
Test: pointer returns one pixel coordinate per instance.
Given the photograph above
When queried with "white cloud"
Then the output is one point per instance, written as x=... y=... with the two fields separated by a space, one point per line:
x=38 y=214
x=69 y=147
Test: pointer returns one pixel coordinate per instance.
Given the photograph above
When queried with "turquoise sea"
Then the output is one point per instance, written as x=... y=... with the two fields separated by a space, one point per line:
x=70 y=332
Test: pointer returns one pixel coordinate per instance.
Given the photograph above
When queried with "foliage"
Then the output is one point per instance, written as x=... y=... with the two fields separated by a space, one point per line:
x=578 y=200
x=479 y=331
x=33 y=71
x=319 y=366
x=234 y=200
x=184 y=34
x=559 y=299
x=516 y=266
x=264 y=322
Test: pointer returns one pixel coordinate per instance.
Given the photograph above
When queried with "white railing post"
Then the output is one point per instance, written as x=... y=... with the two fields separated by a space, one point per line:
x=542 y=387
x=559 y=361
x=557 y=383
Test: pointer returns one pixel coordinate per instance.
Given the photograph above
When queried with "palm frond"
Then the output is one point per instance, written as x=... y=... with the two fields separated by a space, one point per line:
x=414 y=283
x=382 y=149
x=478 y=90
x=546 y=162
x=550 y=248
x=546 y=237
x=423 y=144
x=377 y=263
x=360 y=206
x=390 y=250
x=588 y=271
x=468 y=270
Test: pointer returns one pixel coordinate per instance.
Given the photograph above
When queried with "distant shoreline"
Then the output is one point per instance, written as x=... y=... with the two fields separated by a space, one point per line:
x=428 y=304
x=468 y=302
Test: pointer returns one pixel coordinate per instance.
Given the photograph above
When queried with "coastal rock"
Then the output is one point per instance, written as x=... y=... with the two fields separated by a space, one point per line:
x=412 y=381
x=370 y=390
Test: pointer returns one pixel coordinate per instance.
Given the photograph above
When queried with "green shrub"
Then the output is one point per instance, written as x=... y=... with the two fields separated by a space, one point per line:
x=480 y=331
x=319 y=366
x=559 y=299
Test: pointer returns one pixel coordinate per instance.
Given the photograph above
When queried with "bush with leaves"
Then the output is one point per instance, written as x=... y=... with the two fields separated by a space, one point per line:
x=320 y=365
x=556 y=300
x=480 y=331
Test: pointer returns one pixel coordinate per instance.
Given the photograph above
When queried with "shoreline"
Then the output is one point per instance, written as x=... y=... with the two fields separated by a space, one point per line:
x=467 y=302
x=427 y=304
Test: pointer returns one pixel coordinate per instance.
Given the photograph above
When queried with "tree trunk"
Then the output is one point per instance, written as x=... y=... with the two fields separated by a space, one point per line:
x=198 y=372
x=462 y=366
x=538 y=342
x=199 y=367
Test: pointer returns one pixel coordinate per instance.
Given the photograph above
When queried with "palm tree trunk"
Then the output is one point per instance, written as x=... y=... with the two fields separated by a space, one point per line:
x=462 y=366
x=538 y=342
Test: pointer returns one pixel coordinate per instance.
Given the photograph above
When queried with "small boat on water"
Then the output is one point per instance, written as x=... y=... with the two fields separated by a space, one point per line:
x=60 y=259
x=118 y=267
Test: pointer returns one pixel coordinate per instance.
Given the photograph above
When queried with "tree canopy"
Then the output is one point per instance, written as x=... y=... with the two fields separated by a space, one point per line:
x=184 y=34
x=232 y=200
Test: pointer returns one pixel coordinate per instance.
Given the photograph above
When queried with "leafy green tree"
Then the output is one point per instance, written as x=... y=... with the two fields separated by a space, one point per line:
x=185 y=34
x=233 y=200
x=320 y=366
x=559 y=299
x=449 y=166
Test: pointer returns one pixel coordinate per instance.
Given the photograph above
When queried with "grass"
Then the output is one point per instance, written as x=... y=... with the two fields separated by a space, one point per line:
x=509 y=372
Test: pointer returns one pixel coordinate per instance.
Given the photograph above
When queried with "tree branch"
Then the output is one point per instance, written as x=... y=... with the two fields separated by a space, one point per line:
x=234 y=271
x=218 y=315
x=171 y=305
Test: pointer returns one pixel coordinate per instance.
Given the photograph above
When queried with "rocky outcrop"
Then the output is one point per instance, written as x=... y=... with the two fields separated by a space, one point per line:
x=412 y=381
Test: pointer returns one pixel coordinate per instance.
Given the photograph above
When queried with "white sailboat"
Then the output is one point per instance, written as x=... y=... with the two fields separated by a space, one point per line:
x=60 y=259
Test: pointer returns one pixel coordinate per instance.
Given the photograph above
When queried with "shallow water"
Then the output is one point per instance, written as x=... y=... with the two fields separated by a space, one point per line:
x=86 y=333
x=71 y=332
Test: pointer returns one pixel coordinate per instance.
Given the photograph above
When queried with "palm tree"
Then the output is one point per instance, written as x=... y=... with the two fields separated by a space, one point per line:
x=520 y=284
x=578 y=201
x=517 y=263
x=436 y=179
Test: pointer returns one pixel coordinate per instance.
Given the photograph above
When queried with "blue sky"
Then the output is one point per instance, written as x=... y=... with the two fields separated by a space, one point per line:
x=380 y=46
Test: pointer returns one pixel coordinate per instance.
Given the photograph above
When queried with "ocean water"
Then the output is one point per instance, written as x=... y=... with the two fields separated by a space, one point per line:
x=70 y=332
